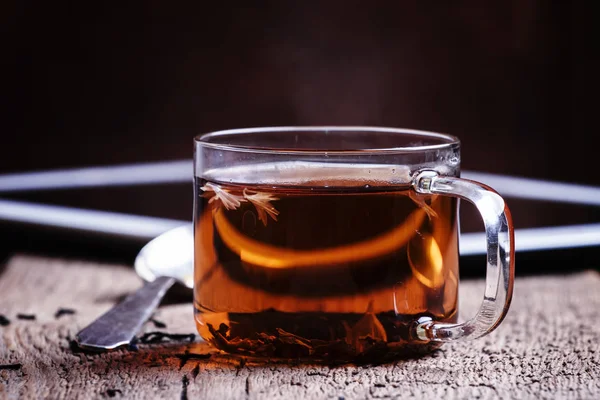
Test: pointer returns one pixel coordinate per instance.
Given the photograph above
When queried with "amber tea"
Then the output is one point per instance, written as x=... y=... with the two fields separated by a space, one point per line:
x=320 y=262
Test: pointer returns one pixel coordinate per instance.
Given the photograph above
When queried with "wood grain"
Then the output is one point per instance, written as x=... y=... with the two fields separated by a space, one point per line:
x=547 y=347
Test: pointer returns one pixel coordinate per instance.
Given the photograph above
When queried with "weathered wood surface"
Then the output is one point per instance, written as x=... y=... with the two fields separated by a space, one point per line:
x=548 y=347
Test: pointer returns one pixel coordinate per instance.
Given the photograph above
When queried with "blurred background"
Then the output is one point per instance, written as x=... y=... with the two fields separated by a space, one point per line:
x=87 y=85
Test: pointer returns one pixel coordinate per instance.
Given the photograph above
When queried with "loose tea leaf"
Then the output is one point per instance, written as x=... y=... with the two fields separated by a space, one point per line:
x=232 y=201
x=4 y=321
x=290 y=337
x=282 y=344
x=161 y=337
x=113 y=392
x=158 y=324
x=10 y=367
x=28 y=317
x=262 y=203
x=368 y=326
x=63 y=311
x=368 y=340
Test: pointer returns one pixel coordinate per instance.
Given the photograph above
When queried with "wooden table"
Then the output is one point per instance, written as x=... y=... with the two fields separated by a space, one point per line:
x=547 y=347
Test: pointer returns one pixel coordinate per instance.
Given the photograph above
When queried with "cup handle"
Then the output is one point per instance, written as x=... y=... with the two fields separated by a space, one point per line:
x=500 y=257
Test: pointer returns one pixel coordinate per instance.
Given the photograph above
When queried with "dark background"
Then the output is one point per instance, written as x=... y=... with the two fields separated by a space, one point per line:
x=103 y=84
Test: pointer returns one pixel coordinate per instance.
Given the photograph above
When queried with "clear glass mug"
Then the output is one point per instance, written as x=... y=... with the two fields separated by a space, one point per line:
x=338 y=243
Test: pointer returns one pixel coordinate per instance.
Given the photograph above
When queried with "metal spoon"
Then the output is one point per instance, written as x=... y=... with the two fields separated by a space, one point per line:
x=162 y=262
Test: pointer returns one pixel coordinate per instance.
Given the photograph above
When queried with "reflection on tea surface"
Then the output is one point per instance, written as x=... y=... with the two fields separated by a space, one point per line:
x=328 y=268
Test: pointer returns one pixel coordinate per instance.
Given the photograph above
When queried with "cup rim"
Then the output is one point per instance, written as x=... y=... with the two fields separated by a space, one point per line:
x=449 y=141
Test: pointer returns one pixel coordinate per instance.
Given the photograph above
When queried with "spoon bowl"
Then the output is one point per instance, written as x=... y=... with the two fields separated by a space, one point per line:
x=170 y=254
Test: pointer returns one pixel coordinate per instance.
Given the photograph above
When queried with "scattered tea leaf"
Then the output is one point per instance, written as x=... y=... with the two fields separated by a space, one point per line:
x=158 y=324
x=28 y=317
x=291 y=336
x=424 y=202
x=4 y=321
x=218 y=337
x=74 y=347
x=223 y=329
x=63 y=311
x=161 y=337
x=368 y=326
x=366 y=344
x=262 y=203
x=10 y=367
x=243 y=344
x=230 y=200
x=113 y=392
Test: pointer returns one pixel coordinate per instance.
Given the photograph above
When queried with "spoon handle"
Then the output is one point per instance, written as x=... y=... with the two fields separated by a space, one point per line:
x=120 y=324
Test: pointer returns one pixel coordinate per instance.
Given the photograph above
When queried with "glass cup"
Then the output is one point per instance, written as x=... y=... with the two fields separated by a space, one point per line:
x=338 y=243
